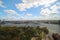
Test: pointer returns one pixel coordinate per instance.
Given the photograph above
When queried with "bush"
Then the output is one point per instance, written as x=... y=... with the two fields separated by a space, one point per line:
x=22 y=33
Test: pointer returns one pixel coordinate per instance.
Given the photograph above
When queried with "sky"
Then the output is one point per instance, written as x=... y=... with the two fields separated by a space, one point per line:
x=30 y=9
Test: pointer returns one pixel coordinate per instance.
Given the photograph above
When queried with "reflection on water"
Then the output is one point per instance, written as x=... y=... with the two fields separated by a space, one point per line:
x=51 y=27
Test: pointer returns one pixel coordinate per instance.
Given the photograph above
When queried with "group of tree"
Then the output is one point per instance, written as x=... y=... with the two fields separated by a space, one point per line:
x=59 y=22
x=21 y=33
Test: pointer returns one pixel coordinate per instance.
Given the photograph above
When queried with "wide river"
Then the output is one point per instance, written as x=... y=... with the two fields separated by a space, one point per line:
x=51 y=27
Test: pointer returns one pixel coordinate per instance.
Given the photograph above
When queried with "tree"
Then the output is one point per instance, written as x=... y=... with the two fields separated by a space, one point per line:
x=0 y=23
x=45 y=30
x=59 y=22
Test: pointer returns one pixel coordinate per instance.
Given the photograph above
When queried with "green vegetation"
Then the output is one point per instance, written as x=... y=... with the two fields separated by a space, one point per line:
x=21 y=33
x=59 y=22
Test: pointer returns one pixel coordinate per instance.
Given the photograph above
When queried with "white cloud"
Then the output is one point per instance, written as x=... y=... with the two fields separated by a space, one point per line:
x=45 y=12
x=54 y=9
x=1 y=4
x=27 y=4
x=58 y=3
x=28 y=14
x=51 y=13
x=12 y=15
x=11 y=12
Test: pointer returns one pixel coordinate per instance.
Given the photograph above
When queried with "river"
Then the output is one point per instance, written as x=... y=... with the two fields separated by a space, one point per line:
x=51 y=27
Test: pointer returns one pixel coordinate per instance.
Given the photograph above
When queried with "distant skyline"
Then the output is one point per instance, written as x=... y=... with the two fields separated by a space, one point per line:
x=30 y=9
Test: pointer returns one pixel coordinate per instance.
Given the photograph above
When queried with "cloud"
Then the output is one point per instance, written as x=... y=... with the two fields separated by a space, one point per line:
x=11 y=12
x=28 y=14
x=54 y=9
x=1 y=5
x=12 y=15
x=27 y=4
x=51 y=12
x=45 y=12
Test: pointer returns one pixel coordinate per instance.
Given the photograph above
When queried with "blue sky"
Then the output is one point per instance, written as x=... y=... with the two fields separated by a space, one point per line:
x=30 y=9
